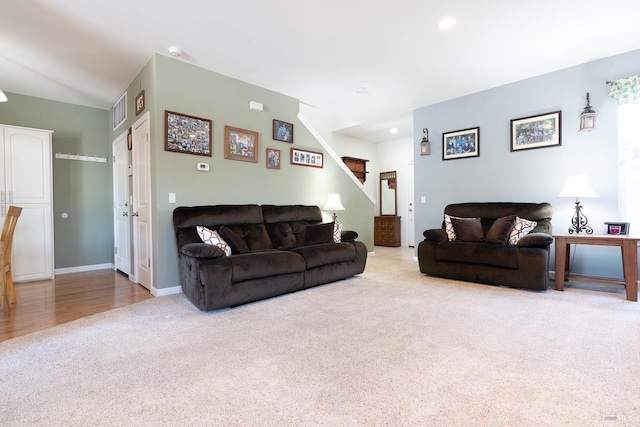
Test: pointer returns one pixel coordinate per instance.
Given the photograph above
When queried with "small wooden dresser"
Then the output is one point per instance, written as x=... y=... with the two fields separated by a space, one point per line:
x=386 y=230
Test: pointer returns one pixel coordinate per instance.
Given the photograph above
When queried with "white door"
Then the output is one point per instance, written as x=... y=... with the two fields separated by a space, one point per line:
x=26 y=181
x=141 y=209
x=411 y=224
x=121 y=210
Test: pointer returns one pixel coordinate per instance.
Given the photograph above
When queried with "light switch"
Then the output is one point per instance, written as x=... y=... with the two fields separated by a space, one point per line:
x=423 y=199
x=172 y=197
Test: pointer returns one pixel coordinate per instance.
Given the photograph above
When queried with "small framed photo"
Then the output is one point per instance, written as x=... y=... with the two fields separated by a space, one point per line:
x=240 y=144
x=617 y=227
x=187 y=134
x=282 y=131
x=273 y=158
x=140 y=103
x=461 y=143
x=306 y=158
x=539 y=131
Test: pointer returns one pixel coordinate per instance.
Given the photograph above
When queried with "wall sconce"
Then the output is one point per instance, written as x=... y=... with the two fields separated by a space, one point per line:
x=425 y=145
x=587 y=118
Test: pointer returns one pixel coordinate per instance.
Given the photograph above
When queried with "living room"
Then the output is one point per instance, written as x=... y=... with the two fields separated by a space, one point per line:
x=84 y=240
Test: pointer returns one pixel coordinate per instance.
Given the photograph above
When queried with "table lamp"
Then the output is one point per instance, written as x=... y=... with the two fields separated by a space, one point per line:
x=333 y=204
x=577 y=186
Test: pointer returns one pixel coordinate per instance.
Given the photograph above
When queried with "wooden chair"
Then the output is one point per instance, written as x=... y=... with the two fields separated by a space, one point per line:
x=6 y=242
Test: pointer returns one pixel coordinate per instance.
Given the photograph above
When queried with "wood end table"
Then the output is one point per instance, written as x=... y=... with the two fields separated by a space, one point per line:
x=629 y=249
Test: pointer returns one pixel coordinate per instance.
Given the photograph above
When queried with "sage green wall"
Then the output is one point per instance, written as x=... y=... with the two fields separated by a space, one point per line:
x=174 y=85
x=80 y=189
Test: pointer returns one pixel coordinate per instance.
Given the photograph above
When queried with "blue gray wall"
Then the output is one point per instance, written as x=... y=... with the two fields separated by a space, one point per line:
x=530 y=175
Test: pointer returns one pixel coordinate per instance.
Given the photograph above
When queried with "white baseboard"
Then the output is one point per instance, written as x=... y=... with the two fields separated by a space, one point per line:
x=166 y=291
x=82 y=268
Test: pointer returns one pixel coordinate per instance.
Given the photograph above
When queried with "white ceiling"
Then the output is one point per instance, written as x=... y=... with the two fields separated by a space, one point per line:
x=321 y=52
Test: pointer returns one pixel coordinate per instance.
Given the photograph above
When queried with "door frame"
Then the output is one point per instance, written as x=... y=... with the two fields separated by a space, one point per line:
x=121 y=178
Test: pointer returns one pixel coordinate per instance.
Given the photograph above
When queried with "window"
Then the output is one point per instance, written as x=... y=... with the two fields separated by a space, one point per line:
x=120 y=111
x=629 y=162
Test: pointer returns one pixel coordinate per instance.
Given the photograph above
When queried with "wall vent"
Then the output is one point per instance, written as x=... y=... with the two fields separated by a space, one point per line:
x=120 y=111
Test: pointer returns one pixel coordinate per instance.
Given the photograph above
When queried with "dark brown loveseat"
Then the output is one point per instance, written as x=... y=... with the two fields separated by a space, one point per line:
x=276 y=250
x=524 y=264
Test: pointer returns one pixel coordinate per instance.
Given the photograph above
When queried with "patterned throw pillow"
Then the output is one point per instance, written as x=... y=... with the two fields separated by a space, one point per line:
x=521 y=228
x=337 y=232
x=213 y=238
x=448 y=226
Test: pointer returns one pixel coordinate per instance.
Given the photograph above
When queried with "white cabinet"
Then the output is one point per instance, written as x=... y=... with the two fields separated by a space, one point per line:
x=26 y=181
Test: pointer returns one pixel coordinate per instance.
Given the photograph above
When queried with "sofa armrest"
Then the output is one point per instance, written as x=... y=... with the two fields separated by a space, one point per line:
x=435 y=235
x=202 y=250
x=348 y=236
x=535 y=239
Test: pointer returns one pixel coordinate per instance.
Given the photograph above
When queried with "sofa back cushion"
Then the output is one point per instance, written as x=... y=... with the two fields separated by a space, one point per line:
x=287 y=224
x=490 y=211
x=245 y=221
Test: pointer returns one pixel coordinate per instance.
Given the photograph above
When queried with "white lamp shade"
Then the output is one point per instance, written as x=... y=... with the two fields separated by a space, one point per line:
x=333 y=203
x=577 y=186
x=3 y=97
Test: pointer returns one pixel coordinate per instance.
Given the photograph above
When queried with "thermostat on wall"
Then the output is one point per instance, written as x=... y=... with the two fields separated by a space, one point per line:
x=204 y=167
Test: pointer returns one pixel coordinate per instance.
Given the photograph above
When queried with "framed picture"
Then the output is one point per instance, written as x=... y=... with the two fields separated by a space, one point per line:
x=140 y=103
x=461 y=143
x=536 y=131
x=187 y=134
x=282 y=131
x=240 y=144
x=617 y=227
x=306 y=158
x=273 y=158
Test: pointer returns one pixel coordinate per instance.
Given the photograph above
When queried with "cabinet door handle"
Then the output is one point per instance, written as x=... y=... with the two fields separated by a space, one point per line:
x=134 y=214
x=125 y=213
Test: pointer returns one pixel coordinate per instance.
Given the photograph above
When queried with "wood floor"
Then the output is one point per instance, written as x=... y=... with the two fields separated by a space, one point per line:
x=68 y=297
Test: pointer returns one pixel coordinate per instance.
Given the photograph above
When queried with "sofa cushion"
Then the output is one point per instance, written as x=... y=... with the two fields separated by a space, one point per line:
x=448 y=226
x=478 y=253
x=238 y=246
x=283 y=236
x=500 y=230
x=255 y=265
x=211 y=237
x=325 y=254
x=468 y=230
x=521 y=228
x=319 y=233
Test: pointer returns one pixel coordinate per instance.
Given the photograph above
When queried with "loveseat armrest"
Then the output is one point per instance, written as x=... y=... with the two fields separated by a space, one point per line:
x=435 y=235
x=535 y=239
x=348 y=236
x=201 y=250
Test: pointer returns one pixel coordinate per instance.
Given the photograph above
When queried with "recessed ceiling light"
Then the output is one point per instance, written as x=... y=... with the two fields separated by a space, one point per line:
x=446 y=23
x=393 y=130
x=361 y=90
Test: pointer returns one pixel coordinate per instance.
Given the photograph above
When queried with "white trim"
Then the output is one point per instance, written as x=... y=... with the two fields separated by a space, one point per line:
x=166 y=291
x=82 y=268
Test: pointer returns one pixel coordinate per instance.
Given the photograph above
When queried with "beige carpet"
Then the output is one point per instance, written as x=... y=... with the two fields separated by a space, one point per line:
x=388 y=348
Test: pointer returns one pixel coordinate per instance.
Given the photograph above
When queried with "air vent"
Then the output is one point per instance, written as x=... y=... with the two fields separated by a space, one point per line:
x=120 y=111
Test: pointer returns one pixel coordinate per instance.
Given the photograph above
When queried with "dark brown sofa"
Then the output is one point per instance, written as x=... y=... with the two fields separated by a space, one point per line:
x=521 y=265
x=280 y=250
